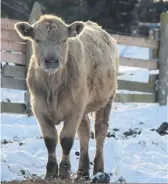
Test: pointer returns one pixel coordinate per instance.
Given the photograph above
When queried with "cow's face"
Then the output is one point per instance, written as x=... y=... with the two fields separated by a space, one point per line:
x=50 y=40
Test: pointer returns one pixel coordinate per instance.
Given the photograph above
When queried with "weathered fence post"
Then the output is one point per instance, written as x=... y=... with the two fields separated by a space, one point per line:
x=162 y=83
x=151 y=36
x=156 y=36
x=34 y=16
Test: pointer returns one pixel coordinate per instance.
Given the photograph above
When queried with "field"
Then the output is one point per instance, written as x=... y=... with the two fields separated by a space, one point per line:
x=135 y=150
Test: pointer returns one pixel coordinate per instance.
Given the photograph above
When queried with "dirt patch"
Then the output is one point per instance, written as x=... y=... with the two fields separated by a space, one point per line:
x=99 y=178
x=4 y=141
x=42 y=182
x=33 y=182
x=15 y=139
x=163 y=129
x=132 y=132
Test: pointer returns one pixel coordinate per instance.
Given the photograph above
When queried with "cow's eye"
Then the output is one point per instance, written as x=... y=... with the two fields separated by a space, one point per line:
x=64 y=41
x=37 y=40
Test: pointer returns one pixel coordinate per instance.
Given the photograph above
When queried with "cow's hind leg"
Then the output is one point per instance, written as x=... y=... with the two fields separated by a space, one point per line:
x=101 y=126
x=84 y=135
x=50 y=138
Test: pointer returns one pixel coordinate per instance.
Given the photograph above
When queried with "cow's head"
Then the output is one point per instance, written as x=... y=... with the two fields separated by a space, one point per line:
x=50 y=40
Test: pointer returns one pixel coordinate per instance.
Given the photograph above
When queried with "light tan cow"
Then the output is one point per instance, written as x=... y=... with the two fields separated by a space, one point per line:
x=72 y=72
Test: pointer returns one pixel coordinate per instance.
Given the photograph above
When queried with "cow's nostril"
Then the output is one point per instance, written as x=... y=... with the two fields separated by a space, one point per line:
x=51 y=62
x=47 y=61
x=56 y=61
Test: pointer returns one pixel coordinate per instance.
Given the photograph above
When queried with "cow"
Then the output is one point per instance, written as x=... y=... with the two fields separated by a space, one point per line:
x=72 y=72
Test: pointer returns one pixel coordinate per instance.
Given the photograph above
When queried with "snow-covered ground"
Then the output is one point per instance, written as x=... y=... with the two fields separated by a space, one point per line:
x=131 y=150
x=137 y=158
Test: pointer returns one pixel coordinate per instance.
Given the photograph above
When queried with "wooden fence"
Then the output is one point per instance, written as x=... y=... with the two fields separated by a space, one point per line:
x=15 y=55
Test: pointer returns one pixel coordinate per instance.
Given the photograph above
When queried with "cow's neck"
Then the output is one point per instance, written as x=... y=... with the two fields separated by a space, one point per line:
x=55 y=83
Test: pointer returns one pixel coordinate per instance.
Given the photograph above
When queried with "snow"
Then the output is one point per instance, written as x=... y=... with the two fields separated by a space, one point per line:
x=141 y=157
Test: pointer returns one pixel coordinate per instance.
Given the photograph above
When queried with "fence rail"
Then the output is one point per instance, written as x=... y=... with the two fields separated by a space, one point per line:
x=20 y=108
x=14 y=78
x=15 y=54
x=13 y=57
x=139 y=63
x=136 y=41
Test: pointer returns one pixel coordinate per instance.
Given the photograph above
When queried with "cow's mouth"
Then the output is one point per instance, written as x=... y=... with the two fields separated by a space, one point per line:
x=51 y=70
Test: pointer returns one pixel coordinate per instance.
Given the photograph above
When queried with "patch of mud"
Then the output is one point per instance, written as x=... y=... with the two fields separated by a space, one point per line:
x=4 y=142
x=110 y=134
x=163 y=129
x=132 y=132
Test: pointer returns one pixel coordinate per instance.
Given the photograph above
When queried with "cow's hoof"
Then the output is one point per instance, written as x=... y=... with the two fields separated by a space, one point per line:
x=81 y=179
x=64 y=170
x=82 y=176
x=64 y=174
x=50 y=177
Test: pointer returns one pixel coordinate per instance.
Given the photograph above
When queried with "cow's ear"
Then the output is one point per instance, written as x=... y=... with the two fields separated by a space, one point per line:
x=75 y=28
x=24 y=30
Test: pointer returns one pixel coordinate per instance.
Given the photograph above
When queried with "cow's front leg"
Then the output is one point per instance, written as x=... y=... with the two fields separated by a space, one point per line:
x=50 y=138
x=66 y=140
x=51 y=142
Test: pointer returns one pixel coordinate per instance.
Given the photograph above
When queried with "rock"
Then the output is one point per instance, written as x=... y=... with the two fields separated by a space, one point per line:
x=100 y=178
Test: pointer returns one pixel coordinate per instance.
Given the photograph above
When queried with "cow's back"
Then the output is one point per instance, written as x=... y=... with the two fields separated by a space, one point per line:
x=101 y=62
